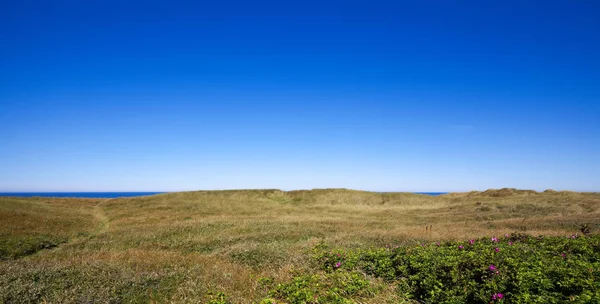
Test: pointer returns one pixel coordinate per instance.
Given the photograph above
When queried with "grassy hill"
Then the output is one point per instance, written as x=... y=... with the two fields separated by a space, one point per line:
x=237 y=246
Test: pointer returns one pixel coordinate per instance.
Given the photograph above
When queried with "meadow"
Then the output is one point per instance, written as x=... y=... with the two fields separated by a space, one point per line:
x=310 y=246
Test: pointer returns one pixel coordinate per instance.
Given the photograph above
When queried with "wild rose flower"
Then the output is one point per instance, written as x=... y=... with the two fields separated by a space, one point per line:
x=493 y=268
x=510 y=243
x=497 y=249
x=471 y=242
x=338 y=264
x=497 y=296
x=494 y=239
x=461 y=247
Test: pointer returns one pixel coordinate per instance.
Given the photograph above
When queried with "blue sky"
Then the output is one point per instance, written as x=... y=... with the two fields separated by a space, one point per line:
x=373 y=95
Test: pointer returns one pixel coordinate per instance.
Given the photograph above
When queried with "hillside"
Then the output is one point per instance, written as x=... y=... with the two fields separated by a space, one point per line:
x=208 y=245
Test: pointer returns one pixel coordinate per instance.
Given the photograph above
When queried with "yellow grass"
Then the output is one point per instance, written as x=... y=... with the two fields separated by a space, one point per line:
x=186 y=247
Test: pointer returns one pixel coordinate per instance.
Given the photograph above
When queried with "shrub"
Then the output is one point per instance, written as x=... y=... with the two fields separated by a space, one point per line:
x=516 y=268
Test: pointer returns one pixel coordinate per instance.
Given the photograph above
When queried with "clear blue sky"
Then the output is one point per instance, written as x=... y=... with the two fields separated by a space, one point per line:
x=383 y=96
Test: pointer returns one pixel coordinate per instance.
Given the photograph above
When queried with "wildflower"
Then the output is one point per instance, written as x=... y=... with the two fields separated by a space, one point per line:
x=506 y=235
x=338 y=264
x=494 y=239
x=471 y=242
x=493 y=268
x=497 y=296
x=437 y=243
x=510 y=243
x=574 y=236
x=497 y=249
x=563 y=255
x=461 y=247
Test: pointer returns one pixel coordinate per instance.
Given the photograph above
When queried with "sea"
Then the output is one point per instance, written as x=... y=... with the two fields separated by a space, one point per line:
x=79 y=194
x=431 y=193
x=113 y=194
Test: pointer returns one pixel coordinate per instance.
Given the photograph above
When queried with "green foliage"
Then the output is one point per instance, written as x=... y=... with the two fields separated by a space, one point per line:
x=218 y=298
x=516 y=269
x=333 y=287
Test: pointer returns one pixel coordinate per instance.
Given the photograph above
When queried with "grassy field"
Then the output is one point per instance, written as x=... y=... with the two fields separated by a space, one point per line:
x=235 y=246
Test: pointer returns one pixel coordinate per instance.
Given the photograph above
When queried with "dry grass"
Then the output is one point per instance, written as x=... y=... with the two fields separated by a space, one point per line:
x=31 y=224
x=183 y=247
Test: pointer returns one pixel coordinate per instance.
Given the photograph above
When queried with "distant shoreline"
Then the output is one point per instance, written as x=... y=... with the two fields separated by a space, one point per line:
x=120 y=194
x=78 y=194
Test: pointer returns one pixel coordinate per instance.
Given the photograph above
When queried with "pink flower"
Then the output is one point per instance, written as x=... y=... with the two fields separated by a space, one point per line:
x=510 y=243
x=338 y=264
x=471 y=242
x=497 y=249
x=492 y=268
x=461 y=247
x=497 y=296
x=422 y=245
x=494 y=239
x=506 y=235
x=438 y=243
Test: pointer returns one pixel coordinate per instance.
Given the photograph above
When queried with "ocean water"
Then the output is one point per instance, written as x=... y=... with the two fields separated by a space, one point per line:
x=113 y=194
x=432 y=193
x=78 y=194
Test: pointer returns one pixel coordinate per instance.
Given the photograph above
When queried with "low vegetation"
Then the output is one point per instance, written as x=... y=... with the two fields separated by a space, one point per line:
x=29 y=225
x=515 y=268
x=318 y=246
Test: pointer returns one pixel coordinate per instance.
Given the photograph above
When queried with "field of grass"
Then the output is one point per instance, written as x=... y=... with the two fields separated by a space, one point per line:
x=245 y=246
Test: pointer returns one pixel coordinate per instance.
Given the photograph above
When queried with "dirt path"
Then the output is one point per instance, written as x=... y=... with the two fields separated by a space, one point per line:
x=100 y=215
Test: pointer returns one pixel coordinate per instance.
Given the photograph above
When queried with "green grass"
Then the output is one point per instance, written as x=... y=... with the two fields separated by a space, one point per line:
x=33 y=224
x=238 y=246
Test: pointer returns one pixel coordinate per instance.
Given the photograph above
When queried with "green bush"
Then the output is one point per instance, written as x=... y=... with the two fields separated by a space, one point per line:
x=334 y=287
x=513 y=269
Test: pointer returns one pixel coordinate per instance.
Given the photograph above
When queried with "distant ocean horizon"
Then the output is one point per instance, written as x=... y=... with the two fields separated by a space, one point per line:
x=78 y=194
x=432 y=193
x=113 y=194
